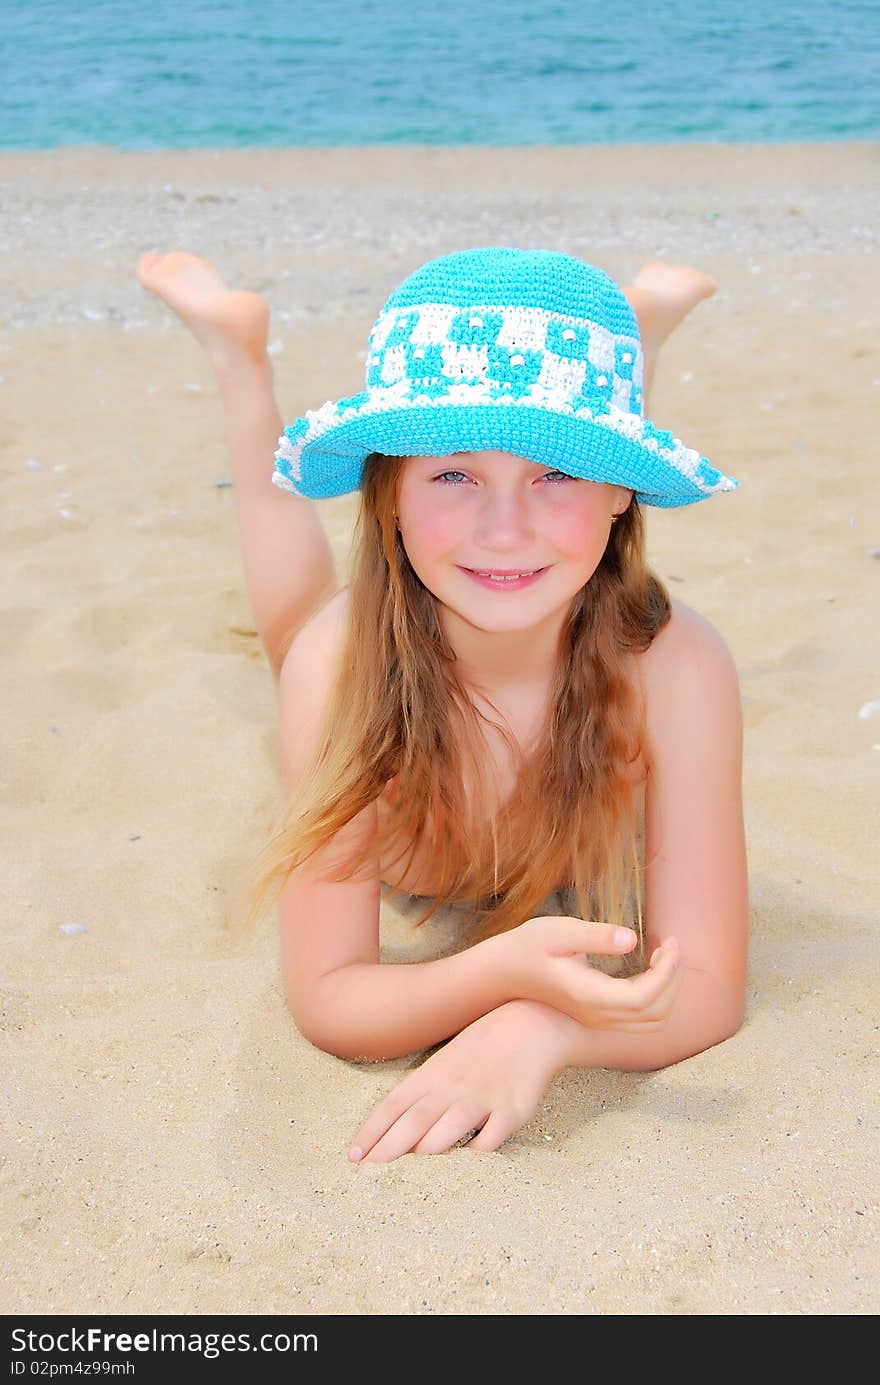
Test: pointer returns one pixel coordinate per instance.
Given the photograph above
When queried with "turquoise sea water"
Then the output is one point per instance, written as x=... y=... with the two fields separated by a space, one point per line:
x=187 y=73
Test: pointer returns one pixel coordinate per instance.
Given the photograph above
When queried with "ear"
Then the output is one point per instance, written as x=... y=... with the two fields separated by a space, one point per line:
x=622 y=500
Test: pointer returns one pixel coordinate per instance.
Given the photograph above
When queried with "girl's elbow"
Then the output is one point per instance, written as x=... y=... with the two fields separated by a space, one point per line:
x=735 y=1020
x=312 y=1025
x=320 y=1034
x=717 y=1036
x=323 y=1034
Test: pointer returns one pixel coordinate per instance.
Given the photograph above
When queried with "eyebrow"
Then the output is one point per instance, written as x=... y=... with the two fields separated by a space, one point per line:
x=459 y=460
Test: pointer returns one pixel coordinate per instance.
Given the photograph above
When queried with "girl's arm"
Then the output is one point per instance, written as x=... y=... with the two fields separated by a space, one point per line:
x=377 y=1011
x=696 y=882
x=702 y=1017
x=342 y=999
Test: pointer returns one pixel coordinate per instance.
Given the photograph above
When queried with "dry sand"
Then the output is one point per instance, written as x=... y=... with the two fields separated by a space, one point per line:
x=172 y=1144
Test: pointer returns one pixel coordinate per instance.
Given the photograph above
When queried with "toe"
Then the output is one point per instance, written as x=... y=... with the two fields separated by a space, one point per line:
x=146 y=263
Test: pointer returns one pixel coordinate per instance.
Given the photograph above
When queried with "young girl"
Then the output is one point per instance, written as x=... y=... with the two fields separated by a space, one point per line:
x=504 y=692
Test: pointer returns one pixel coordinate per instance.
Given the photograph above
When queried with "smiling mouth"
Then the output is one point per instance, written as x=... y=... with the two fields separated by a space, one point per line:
x=513 y=580
x=504 y=571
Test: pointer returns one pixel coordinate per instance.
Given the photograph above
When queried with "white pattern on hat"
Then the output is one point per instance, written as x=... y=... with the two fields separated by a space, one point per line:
x=563 y=375
x=433 y=325
x=394 y=364
x=463 y=361
x=600 y=348
x=523 y=329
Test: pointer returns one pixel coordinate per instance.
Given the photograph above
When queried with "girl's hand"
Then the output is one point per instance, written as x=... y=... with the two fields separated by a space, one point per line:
x=490 y=1077
x=544 y=959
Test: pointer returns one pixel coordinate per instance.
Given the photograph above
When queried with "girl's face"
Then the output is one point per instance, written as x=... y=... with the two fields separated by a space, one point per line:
x=496 y=512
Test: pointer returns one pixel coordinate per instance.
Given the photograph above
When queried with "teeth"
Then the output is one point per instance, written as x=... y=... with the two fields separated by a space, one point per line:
x=514 y=576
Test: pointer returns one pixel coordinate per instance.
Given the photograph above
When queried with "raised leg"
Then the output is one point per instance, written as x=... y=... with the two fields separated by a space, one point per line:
x=661 y=295
x=288 y=563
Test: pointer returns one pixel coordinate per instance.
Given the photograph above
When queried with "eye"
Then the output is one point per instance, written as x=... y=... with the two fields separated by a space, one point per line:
x=550 y=475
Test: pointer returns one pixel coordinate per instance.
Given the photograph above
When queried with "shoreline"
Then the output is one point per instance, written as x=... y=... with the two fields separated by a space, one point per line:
x=449 y=148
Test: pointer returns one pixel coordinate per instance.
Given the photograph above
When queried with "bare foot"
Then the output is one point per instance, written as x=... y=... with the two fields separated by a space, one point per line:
x=226 y=321
x=666 y=293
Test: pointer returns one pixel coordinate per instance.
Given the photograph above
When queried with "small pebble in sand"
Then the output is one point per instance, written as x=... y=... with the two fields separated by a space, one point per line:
x=194 y=389
x=54 y=729
x=221 y=482
x=73 y=930
x=32 y=464
x=869 y=709
x=874 y=552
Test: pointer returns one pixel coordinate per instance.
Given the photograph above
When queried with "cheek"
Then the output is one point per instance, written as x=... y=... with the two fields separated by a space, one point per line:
x=579 y=530
x=434 y=530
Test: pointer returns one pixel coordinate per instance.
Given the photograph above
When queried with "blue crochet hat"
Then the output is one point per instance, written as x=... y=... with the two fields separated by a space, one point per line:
x=531 y=352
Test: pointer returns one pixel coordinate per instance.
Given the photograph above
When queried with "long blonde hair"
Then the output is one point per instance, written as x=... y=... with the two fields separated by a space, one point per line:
x=399 y=712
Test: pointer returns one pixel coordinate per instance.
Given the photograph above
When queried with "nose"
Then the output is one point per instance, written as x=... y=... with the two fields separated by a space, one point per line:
x=504 y=520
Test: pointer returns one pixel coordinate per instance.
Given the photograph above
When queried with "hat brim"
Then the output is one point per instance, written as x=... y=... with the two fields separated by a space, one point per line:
x=322 y=454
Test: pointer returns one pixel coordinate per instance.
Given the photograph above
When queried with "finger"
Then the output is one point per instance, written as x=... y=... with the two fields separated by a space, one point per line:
x=669 y=945
x=624 y=997
x=499 y=1127
x=461 y=1119
x=570 y=936
x=656 y=984
x=659 y=1008
x=406 y=1131
x=651 y=995
x=381 y=1120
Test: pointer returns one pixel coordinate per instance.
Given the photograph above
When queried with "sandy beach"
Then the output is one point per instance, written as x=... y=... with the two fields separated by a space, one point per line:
x=171 y=1143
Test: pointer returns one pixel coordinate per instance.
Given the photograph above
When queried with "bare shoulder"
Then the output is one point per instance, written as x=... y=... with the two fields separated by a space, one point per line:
x=690 y=683
x=687 y=635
